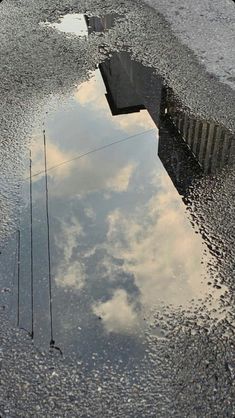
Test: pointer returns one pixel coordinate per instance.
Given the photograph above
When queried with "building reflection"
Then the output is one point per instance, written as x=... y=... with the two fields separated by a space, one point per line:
x=211 y=144
x=188 y=146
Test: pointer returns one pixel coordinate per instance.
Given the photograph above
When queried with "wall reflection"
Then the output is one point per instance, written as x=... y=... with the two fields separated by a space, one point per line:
x=131 y=87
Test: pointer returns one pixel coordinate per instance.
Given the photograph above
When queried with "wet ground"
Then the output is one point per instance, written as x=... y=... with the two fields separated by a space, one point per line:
x=117 y=223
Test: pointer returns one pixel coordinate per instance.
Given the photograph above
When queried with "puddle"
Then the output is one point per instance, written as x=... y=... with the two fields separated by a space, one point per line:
x=120 y=239
x=82 y=25
x=212 y=145
x=121 y=158
x=73 y=24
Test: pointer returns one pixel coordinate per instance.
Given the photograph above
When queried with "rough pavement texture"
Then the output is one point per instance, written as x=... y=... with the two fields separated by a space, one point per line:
x=208 y=28
x=189 y=372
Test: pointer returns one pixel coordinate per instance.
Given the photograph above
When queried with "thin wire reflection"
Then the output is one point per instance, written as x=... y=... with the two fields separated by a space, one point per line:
x=78 y=157
x=45 y=171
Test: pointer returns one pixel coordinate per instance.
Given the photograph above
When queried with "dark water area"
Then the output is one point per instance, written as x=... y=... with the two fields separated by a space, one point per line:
x=119 y=243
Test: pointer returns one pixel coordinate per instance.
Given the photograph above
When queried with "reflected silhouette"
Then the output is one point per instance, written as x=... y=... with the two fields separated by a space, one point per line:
x=188 y=145
x=100 y=24
x=211 y=144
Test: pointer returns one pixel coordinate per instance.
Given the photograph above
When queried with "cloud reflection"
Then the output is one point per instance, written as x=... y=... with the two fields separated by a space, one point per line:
x=55 y=156
x=158 y=248
x=120 y=181
x=121 y=227
x=70 y=271
x=92 y=94
x=118 y=314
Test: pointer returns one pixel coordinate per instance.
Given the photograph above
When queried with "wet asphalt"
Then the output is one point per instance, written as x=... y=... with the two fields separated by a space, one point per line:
x=137 y=337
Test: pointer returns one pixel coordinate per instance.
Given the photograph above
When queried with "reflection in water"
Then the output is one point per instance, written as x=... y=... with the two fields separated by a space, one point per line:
x=100 y=24
x=121 y=242
x=131 y=86
x=74 y=24
x=211 y=144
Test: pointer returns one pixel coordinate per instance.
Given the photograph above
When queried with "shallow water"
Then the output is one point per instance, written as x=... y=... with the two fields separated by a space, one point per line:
x=121 y=243
x=73 y=24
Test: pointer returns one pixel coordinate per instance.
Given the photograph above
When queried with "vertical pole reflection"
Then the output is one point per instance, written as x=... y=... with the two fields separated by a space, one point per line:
x=31 y=248
x=18 y=278
x=52 y=342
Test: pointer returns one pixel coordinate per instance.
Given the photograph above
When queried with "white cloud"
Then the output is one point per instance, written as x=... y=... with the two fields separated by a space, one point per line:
x=71 y=275
x=140 y=120
x=55 y=156
x=120 y=181
x=118 y=314
x=159 y=248
x=92 y=94
x=70 y=272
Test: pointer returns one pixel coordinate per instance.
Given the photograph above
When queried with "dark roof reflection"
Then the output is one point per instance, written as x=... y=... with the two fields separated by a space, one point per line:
x=196 y=144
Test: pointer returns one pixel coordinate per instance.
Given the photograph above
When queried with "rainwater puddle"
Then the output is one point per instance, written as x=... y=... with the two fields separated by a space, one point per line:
x=74 y=24
x=120 y=239
x=82 y=25
x=118 y=242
